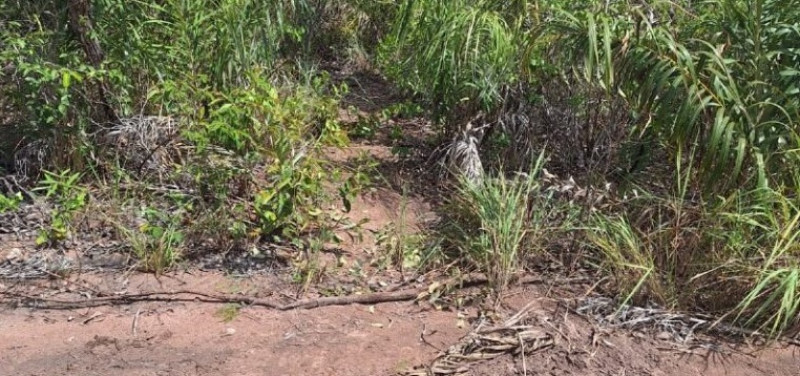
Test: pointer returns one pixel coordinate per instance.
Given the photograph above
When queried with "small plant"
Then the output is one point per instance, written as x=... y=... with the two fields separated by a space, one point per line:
x=360 y=178
x=496 y=222
x=289 y=206
x=626 y=258
x=402 y=248
x=396 y=134
x=403 y=110
x=761 y=233
x=67 y=197
x=365 y=127
x=10 y=203
x=309 y=269
x=229 y=312
x=158 y=242
x=400 y=243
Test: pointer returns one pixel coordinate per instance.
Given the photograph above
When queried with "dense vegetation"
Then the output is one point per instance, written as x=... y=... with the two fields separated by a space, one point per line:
x=200 y=122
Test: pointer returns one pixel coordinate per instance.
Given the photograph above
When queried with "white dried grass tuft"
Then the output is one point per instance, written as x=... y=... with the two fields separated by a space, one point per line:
x=463 y=156
x=30 y=159
x=142 y=142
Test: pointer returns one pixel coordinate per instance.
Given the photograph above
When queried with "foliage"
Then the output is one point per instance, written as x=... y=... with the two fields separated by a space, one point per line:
x=734 y=256
x=492 y=225
x=68 y=198
x=250 y=124
x=158 y=241
x=711 y=78
x=668 y=98
x=615 y=87
x=453 y=51
x=716 y=73
x=10 y=203
x=760 y=231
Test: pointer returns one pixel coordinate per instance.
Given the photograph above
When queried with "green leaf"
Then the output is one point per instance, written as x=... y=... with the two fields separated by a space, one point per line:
x=42 y=238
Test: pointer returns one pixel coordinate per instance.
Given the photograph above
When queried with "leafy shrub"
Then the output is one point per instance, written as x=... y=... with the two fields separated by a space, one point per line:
x=158 y=241
x=10 y=203
x=68 y=198
x=243 y=129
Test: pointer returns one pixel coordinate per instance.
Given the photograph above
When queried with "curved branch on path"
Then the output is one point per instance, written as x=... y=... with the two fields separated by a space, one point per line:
x=14 y=299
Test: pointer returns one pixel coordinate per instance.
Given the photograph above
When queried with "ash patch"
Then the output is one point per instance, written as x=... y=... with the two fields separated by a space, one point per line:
x=263 y=259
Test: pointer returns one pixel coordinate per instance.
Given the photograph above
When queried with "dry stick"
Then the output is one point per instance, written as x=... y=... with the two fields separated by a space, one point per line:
x=172 y=296
x=135 y=320
x=378 y=297
x=522 y=350
x=47 y=303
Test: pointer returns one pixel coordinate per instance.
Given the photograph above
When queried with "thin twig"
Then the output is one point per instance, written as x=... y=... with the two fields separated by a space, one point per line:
x=422 y=337
x=135 y=321
x=522 y=352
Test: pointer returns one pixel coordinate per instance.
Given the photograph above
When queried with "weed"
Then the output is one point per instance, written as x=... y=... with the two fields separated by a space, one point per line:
x=365 y=127
x=402 y=110
x=403 y=249
x=10 y=203
x=496 y=222
x=228 y=312
x=402 y=244
x=68 y=198
x=158 y=242
x=626 y=258
x=759 y=233
x=734 y=256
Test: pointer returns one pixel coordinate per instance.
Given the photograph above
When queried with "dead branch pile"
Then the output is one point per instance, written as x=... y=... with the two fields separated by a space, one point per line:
x=681 y=327
x=514 y=336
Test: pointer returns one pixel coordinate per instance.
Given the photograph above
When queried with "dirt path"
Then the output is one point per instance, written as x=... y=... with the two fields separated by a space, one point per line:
x=192 y=339
x=195 y=339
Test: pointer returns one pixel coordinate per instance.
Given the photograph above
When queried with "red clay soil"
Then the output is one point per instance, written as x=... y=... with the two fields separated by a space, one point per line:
x=193 y=338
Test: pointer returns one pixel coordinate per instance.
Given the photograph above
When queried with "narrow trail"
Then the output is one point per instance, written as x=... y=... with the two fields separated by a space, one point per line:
x=194 y=338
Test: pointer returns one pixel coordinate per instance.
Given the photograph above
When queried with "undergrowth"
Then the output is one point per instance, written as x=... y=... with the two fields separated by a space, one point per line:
x=671 y=129
x=197 y=127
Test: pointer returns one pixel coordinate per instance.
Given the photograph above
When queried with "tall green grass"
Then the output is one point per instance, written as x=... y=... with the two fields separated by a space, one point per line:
x=717 y=78
x=495 y=224
x=456 y=54
x=717 y=73
x=733 y=256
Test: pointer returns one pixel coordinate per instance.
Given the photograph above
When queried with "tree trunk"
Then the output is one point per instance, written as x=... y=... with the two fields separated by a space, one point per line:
x=80 y=24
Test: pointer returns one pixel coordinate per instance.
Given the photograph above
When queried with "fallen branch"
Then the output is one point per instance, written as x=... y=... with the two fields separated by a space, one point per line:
x=374 y=298
x=172 y=296
x=195 y=296
x=15 y=299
